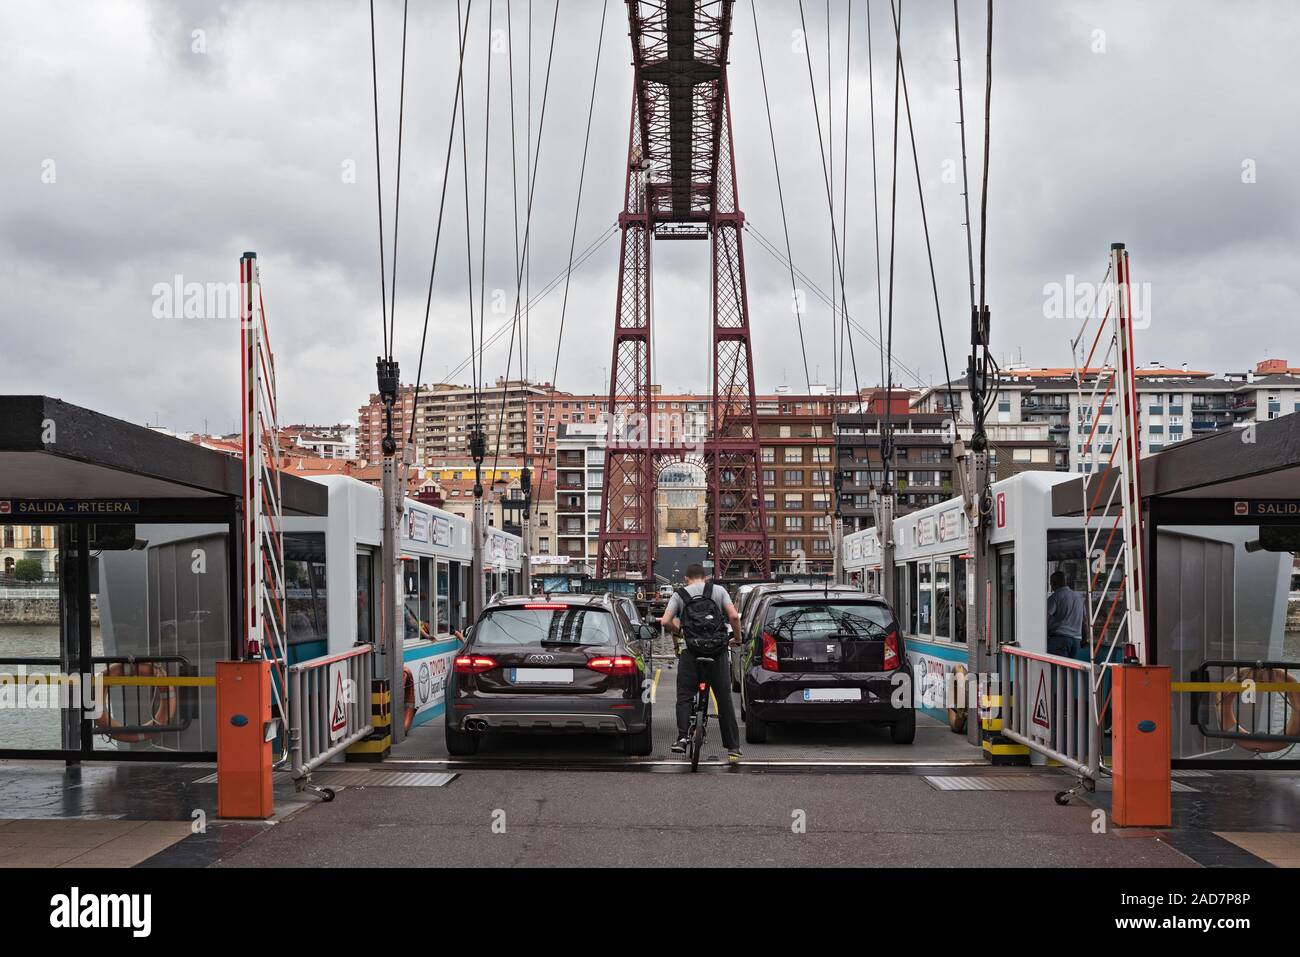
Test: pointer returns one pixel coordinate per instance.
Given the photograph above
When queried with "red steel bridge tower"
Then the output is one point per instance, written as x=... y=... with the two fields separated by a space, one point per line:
x=681 y=185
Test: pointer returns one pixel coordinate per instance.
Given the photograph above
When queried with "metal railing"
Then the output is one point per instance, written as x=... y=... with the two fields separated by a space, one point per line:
x=329 y=709
x=1049 y=704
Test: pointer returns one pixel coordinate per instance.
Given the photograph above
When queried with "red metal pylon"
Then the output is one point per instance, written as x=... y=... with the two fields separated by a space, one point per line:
x=681 y=184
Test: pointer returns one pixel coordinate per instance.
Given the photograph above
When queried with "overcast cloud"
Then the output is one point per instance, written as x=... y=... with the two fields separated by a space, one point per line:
x=129 y=158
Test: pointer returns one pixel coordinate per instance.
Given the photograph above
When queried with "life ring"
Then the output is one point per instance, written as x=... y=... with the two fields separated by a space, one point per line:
x=165 y=703
x=957 y=716
x=1228 y=716
x=408 y=696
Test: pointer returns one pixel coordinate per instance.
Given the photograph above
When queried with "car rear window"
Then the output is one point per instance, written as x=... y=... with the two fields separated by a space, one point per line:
x=576 y=624
x=810 y=619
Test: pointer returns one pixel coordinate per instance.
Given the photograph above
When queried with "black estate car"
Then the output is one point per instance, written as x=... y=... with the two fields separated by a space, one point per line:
x=553 y=664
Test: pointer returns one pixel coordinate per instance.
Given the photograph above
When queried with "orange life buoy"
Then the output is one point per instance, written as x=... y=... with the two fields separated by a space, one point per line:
x=957 y=716
x=408 y=694
x=165 y=703
x=1228 y=704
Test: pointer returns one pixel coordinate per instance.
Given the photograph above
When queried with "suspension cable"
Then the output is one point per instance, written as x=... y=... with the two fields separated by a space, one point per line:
x=528 y=221
x=844 y=203
x=379 y=191
x=965 y=179
x=984 y=190
x=768 y=246
x=514 y=152
x=528 y=165
x=830 y=206
x=920 y=193
x=397 y=199
x=875 y=196
x=830 y=199
x=482 y=255
x=442 y=204
x=887 y=439
x=476 y=375
x=830 y=135
x=550 y=286
x=780 y=192
x=577 y=206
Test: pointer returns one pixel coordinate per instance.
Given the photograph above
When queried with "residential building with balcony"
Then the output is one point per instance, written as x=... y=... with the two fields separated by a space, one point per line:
x=1174 y=404
x=923 y=462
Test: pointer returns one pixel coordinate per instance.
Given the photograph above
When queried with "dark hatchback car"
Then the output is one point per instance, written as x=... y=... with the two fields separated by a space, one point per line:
x=561 y=664
x=823 y=656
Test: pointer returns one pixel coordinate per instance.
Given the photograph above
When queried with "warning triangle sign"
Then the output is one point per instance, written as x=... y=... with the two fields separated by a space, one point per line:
x=1040 y=713
x=339 y=716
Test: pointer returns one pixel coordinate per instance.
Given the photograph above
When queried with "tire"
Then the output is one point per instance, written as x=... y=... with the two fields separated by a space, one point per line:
x=755 y=729
x=461 y=744
x=639 y=743
x=696 y=746
x=903 y=731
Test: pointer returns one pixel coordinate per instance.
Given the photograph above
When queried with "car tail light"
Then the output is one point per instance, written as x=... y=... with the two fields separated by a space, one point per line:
x=472 y=664
x=770 y=662
x=545 y=606
x=891 y=650
x=613 y=666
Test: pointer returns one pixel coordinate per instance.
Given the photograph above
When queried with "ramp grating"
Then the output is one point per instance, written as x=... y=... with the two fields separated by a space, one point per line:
x=1017 y=782
x=357 y=778
x=382 y=779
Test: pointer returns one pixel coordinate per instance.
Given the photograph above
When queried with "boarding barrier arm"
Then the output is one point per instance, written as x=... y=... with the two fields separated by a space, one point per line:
x=1048 y=705
x=329 y=707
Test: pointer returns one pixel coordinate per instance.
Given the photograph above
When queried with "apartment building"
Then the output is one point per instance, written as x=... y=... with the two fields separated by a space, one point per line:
x=338 y=442
x=796 y=452
x=447 y=416
x=454 y=480
x=579 y=478
x=371 y=424
x=923 y=462
x=1174 y=404
x=676 y=420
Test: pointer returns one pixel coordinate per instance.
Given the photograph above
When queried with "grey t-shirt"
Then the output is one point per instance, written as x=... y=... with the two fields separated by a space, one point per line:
x=1065 y=613
x=720 y=598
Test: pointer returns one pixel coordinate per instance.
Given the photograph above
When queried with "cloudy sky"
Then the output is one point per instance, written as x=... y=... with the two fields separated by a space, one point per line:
x=149 y=141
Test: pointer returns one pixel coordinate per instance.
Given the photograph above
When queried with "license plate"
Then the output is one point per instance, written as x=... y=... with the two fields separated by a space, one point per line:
x=542 y=676
x=832 y=694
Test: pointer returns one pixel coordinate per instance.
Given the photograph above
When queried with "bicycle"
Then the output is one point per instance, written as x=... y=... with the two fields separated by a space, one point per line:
x=699 y=714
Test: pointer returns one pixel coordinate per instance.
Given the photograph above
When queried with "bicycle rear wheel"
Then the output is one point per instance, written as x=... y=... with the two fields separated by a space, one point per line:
x=697 y=745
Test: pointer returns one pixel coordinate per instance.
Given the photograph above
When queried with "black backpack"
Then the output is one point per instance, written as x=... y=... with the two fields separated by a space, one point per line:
x=703 y=623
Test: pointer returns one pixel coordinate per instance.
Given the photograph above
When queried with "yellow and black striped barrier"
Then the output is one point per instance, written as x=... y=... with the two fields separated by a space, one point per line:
x=998 y=750
x=379 y=742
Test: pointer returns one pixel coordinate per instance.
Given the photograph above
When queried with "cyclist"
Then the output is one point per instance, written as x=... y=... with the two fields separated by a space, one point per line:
x=696 y=612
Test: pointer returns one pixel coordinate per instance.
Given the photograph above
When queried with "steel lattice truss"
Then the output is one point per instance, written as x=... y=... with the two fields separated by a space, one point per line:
x=681 y=184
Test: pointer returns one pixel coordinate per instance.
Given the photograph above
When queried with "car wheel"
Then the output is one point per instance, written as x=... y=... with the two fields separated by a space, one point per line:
x=639 y=743
x=903 y=731
x=460 y=743
x=755 y=729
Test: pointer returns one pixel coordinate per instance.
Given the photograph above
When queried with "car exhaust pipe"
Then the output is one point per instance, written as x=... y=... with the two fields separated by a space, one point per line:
x=476 y=725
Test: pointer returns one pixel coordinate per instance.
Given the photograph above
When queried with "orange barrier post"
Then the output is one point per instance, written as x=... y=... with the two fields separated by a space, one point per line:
x=243 y=753
x=1141 y=746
